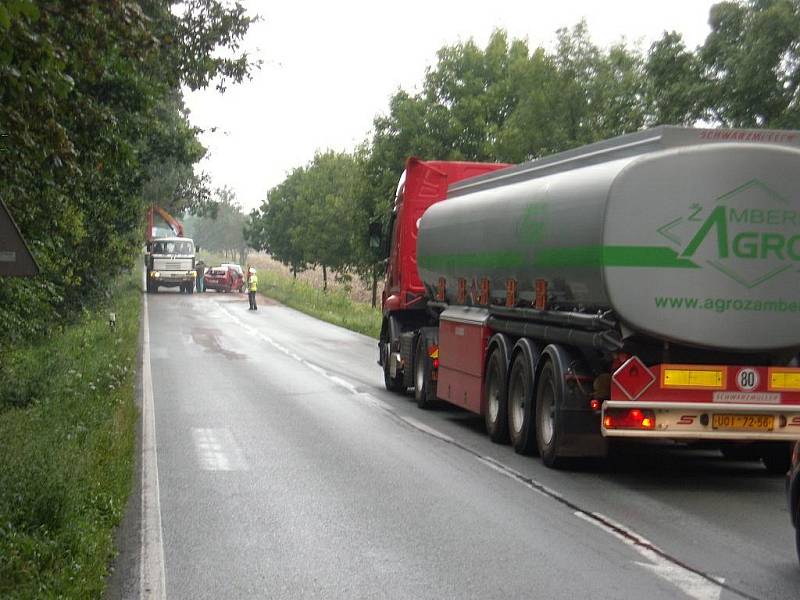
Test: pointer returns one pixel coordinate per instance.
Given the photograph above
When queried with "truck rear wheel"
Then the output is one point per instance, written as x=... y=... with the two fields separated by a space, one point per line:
x=393 y=384
x=424 y=388
x=777 y=457
x=796 y=510
x=496 y=394
x=548 y=397
x=520 y=405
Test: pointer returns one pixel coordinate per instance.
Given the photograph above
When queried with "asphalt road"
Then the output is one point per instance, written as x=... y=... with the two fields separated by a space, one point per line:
x=285 y=470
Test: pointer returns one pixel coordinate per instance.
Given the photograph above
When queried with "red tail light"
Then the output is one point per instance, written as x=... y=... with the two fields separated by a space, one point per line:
x=433 y=352
x=629 y=418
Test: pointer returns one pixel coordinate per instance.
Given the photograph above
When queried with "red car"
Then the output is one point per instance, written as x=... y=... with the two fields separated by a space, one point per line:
x=224 y=279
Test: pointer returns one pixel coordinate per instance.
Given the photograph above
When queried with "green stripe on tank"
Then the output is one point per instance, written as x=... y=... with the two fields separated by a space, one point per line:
x=579 y=256
x=645 y=256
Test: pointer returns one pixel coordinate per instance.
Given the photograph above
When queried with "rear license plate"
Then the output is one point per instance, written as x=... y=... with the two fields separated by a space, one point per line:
x=743 y=422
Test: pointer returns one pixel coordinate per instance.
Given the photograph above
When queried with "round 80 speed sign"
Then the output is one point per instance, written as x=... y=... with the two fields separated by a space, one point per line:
x=747 y=379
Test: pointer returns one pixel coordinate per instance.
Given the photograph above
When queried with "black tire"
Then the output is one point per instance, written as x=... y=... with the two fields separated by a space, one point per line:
x=777 y=457
x=393 y=384
x=424 y=388
x=190 y=289
x=548 y=399
x=495 y=392
x=521 y=428
x=796 y=510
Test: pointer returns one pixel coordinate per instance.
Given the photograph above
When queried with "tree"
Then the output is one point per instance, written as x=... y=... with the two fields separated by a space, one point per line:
x=328 y=205
x=314 y=217
x=271 y=226
x=601 y=91
x=92 y=128
x=674 y=83
x=224 y=231
x=751 y=60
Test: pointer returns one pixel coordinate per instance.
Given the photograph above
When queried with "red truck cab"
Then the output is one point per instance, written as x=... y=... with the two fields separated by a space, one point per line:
x=422 y=184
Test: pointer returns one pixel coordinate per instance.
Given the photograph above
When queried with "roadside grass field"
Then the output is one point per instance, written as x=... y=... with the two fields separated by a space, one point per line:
x=67 y=438
x=333 y=306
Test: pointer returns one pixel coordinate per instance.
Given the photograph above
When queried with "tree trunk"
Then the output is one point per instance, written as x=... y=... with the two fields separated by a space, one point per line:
x=374 y=288
x=294 y=272
x=324 y=278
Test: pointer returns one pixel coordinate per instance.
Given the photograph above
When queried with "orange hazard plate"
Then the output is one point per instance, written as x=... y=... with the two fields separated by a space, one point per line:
x=743 y=422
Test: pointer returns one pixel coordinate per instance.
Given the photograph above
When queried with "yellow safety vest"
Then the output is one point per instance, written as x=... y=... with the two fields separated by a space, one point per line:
x=253 y=283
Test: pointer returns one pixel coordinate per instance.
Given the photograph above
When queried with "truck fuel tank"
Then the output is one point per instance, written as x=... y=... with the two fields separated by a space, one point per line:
x=688 y=235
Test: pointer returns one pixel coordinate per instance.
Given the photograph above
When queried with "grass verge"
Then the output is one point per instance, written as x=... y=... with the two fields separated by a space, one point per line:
x=67 y=438
x=334 y=306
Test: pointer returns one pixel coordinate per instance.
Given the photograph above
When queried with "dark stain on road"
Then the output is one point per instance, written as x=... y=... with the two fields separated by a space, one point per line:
x=209 y=339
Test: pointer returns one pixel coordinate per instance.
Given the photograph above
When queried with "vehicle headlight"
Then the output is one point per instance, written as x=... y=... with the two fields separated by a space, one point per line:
x=193 y=273
x=155 y=274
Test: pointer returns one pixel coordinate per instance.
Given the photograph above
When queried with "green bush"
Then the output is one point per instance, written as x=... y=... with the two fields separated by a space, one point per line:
x=67 y=422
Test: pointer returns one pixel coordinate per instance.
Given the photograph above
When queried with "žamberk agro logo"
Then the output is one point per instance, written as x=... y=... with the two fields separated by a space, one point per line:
x=749 y=234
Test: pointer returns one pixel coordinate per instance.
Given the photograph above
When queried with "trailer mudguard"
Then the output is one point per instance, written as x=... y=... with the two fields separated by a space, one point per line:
x=577 y=424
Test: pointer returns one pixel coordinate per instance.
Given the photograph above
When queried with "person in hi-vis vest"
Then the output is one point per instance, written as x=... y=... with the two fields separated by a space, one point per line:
x=252 y=287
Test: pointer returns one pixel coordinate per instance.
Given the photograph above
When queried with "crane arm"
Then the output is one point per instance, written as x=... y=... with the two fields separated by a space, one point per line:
x=173 y=223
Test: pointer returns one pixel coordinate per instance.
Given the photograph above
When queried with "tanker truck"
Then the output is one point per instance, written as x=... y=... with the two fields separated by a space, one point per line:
x=642 y=287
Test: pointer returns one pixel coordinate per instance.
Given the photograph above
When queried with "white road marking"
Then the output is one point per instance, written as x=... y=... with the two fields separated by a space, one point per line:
x=427 y=429
x=531 y=484
x=376 y=402
x=217 y=450
x=152 y=577
x=690 y=583
x=342 y=383
x=333 y=378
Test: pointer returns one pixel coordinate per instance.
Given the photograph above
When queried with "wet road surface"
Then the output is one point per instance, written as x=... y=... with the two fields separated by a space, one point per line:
x=285 y=470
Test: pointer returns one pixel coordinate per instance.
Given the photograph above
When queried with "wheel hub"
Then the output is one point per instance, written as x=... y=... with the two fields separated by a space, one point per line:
x=547 y=417
x=517 y=402
x=493 y=398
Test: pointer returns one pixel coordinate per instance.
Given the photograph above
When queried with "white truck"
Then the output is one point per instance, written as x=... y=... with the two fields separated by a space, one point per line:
x=170 y=262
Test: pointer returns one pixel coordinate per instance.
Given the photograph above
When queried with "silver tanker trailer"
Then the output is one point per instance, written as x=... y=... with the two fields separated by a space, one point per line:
x=646 y=286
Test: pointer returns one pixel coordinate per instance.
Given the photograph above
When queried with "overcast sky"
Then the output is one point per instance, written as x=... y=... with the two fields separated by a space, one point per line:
x=330 y=67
